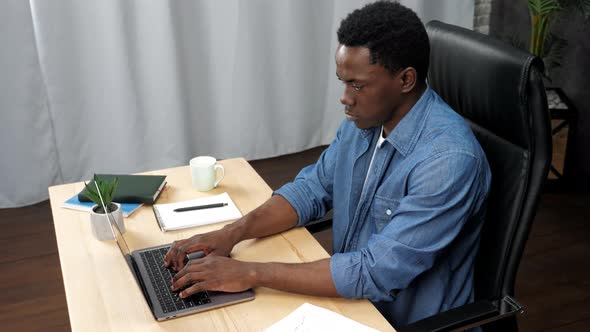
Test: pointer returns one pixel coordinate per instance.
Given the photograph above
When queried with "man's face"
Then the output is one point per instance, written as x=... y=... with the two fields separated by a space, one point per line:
x=371 y=93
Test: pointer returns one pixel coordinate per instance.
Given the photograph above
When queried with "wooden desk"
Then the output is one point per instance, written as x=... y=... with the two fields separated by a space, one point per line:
x=103 y=296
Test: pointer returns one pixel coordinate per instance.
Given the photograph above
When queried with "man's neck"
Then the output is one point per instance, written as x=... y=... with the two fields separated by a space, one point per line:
x=405 y=107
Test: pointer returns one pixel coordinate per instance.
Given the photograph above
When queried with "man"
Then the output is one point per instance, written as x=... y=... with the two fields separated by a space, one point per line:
x=405 y=177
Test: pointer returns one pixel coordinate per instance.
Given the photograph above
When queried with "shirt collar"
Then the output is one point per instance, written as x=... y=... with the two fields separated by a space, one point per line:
x=405 y=135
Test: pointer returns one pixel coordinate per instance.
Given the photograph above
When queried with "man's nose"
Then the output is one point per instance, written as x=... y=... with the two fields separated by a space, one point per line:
x=346 y=98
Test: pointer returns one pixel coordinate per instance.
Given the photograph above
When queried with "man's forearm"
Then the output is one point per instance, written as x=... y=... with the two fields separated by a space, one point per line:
x=274 y=216
x=304 y=278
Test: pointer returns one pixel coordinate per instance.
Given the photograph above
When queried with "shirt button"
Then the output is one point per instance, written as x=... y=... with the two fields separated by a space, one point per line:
x=388 y=212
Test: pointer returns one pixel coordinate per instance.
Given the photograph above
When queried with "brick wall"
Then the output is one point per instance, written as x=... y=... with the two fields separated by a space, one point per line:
x=481 y=16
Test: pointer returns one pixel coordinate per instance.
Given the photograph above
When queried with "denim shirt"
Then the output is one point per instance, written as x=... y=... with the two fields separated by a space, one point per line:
x=407 y=239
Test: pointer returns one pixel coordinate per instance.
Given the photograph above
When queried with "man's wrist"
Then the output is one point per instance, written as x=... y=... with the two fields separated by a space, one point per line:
x=235 y=231
x=254 y=275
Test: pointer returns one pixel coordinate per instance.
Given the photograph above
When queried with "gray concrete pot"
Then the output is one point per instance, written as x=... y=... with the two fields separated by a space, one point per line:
x=100 y=224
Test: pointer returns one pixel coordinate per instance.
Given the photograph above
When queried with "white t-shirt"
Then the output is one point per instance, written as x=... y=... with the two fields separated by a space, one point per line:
x=377 y=146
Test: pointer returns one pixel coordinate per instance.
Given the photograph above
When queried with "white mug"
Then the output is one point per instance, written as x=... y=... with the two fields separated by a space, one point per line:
x=204 y=173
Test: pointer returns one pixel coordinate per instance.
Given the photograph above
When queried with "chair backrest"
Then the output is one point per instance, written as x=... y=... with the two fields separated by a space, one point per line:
x=499 y=90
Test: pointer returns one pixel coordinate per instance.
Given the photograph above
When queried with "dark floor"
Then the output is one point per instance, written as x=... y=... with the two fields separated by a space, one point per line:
x=553 y=283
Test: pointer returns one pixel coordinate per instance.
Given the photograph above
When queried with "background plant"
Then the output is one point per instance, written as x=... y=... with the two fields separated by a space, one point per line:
x=107 y=190
x=544 y=44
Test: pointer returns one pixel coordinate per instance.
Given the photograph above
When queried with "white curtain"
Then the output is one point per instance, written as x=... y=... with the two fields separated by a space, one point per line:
x=126 y=86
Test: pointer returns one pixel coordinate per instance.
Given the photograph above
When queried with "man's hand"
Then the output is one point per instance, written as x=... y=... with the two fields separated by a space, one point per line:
x=274 y=216
x=216 y=243
x=214 y=273
x=220 y=273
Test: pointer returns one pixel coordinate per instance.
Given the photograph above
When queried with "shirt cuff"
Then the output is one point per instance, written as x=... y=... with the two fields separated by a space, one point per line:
x=299 y=200
x=345 y=270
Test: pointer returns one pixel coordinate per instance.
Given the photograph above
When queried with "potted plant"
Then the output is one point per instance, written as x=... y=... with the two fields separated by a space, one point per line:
x=544 y=44
x=98 y=216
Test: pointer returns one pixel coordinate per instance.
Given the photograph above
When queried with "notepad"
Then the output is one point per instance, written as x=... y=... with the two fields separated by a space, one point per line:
x=74 y=204
x=309 y=317
x=169 y=220
x=132 y=188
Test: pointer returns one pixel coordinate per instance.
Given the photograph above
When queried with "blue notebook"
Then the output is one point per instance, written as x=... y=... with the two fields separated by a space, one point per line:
x=75 y=204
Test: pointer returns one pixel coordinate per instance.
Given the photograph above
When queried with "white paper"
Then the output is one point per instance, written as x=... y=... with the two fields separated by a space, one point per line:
x=176 y=220
x=309 y=318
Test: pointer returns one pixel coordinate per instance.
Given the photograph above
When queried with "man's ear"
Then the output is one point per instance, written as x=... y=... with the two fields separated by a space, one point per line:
x=408 y=78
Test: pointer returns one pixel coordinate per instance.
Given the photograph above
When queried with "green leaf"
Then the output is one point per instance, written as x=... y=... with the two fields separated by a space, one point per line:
x=107 y=190
x=581 y=6
x=543 y=7
x=91 y=193
x=514 y=40
x=555 y=48
x=584 y=7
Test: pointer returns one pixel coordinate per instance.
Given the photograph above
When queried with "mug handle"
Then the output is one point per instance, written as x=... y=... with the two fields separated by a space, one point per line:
x=217 y=166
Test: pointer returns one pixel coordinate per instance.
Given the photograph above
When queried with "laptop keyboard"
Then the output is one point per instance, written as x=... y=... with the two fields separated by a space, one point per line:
x=162 y=279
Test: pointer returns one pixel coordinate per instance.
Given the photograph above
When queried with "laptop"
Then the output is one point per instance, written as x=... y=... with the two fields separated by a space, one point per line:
x=154 y=280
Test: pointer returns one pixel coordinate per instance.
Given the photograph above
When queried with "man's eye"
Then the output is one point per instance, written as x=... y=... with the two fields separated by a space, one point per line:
x=357 y=87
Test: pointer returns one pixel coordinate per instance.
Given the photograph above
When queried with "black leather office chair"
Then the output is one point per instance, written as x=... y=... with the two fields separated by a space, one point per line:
x=499 y=90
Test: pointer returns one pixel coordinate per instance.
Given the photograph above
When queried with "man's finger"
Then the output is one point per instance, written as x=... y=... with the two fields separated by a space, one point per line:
x=186 y=279
x=168 y=256
x=194 y=289
x=182 y=278
x=190 y=267
x=178 y=259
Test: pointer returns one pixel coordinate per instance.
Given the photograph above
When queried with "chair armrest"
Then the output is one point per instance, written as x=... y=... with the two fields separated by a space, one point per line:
x=319 y=225
x=467 y=316
x=454 y=318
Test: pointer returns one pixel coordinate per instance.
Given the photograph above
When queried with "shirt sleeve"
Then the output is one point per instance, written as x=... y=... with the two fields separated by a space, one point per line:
x=310 y=193
x=443 y=192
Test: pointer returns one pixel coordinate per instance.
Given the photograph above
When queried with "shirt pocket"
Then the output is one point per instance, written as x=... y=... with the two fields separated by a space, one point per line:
x=382 y=211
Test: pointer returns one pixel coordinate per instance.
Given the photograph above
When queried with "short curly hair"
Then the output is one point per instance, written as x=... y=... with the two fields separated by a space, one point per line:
x=394 y=35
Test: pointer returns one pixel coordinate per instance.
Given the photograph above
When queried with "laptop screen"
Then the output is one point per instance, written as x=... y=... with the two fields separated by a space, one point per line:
x=123 y=248
x=119 y=237
x=114 y=228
